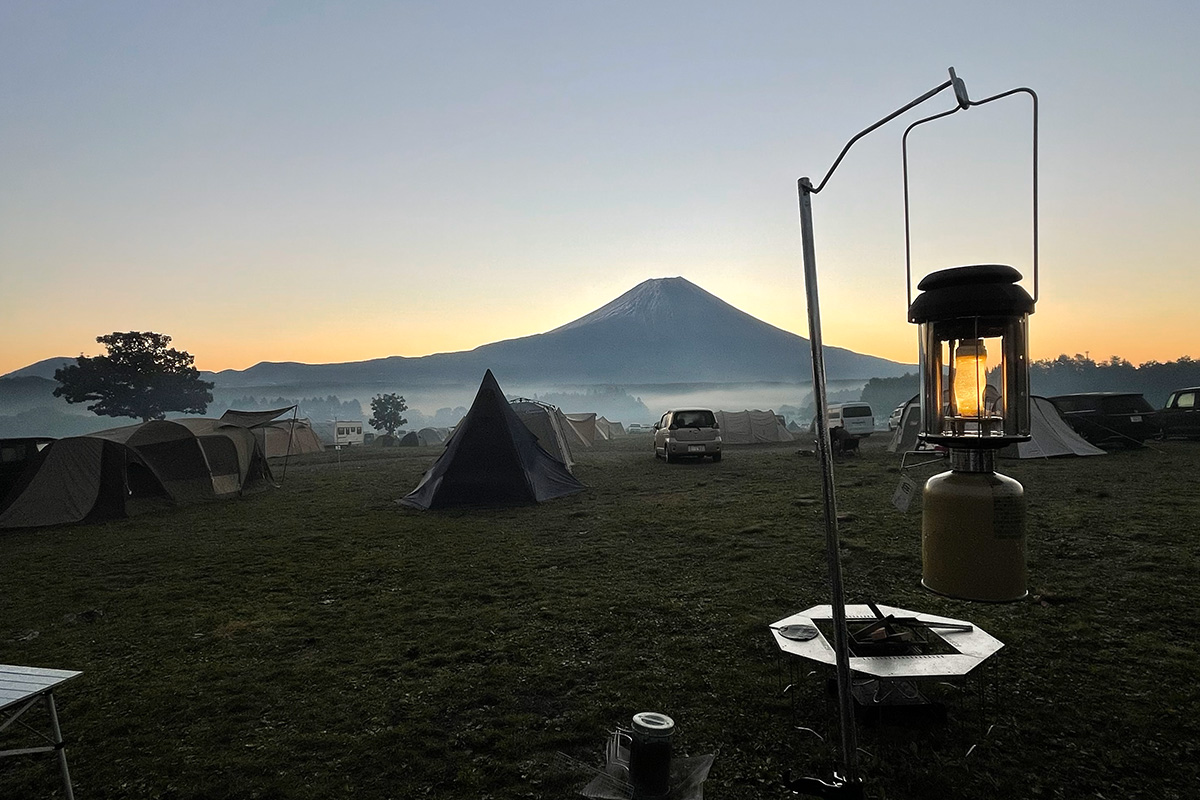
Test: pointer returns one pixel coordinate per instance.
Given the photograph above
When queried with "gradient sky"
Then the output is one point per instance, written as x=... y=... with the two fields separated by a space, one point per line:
x=318 y=182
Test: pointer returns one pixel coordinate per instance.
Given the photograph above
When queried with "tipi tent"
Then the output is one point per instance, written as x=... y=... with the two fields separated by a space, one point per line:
x=492 y=459
x=549 y=426
x=1050 y=435
x=752 y=427
x=81 y=478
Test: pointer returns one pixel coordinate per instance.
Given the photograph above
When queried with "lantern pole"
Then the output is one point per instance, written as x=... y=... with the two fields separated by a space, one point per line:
x=848 y=783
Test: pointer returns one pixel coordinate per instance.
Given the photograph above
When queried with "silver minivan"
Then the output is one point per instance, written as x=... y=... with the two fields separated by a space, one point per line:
x=687 y=433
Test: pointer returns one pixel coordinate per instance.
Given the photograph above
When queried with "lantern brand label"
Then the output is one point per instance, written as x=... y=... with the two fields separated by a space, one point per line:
x=904 y=494
x=1008 y=518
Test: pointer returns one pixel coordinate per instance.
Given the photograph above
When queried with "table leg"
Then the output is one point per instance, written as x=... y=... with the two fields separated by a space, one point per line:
x=58 y=745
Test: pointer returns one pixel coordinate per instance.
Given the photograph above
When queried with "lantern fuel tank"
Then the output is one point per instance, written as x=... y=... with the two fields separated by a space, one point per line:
x=973 y=535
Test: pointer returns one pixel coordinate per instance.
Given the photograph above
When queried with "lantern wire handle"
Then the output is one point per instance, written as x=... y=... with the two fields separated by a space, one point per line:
x=962 y=98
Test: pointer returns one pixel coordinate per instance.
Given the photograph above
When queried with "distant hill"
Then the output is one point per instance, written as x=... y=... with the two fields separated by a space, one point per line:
x=665 y=330
x=42 y=369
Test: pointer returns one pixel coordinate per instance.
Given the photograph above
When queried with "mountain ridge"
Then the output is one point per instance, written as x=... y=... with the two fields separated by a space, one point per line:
x=663 y=330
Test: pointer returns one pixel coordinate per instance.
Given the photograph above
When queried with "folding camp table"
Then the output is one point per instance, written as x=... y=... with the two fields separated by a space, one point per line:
x=21 y=688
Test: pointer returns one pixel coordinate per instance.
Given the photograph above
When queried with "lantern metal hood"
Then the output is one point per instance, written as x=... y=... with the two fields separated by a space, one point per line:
x=971 y=318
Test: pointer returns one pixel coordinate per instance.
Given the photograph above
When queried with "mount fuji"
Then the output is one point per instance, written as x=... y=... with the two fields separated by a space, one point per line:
x=664 y=330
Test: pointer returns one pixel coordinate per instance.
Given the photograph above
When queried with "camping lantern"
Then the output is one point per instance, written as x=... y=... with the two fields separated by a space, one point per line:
x=973 y=326
x=965 y=322
x=973 y=525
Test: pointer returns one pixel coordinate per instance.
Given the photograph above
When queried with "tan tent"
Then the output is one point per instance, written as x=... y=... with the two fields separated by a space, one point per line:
x=288 y=437
x=752 y=427
x=583 y=428
x=550 y=426
x=82 y=478
x=98 y=476
x=196 y=458
x=608 y=430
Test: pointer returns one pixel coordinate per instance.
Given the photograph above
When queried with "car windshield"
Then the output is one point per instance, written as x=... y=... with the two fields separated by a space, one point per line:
x=694 y=419
x=856 y=411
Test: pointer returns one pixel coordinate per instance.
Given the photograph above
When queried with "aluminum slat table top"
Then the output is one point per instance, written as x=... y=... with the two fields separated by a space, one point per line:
x=18 y=684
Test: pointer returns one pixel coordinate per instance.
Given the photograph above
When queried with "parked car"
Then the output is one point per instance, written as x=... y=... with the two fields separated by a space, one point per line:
x=857 y=419
x=894 y=418
x=688 y=432
x=637 y=427
x=1109 y=417
x=1181 y=414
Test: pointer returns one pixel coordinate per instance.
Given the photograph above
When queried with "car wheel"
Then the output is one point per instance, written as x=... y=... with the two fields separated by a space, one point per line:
x=667 y=453
x=716 y=457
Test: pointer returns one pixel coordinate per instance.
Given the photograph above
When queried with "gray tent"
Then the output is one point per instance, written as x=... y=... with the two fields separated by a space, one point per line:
x=1050 y=435
x=492 y=459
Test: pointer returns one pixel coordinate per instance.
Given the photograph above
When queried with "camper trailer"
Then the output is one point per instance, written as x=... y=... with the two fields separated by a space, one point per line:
x=347 y=433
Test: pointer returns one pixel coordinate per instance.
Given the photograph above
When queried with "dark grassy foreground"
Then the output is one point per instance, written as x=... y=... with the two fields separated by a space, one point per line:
x=317 y=641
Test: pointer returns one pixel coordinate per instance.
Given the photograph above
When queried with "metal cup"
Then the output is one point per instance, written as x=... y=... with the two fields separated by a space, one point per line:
x=650 y=755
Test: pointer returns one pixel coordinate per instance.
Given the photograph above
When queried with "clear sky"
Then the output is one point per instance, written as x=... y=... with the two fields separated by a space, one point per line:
x=340 y=181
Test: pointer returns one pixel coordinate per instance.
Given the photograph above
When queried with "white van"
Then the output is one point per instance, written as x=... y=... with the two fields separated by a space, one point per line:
x=857 y=419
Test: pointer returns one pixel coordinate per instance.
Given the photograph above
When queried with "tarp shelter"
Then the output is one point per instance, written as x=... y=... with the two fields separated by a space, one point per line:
x=492 y=459
x=752 y=427
x=549 y=426
x=583 y=426
x=1050 y=434
x=81 y=478
x=608 y=430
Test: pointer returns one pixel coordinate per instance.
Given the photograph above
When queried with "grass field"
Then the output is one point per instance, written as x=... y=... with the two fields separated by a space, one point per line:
x=318 y=641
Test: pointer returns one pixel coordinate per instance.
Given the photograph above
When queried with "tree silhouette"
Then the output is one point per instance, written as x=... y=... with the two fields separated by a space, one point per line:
x=140 y=377
x=386 y=411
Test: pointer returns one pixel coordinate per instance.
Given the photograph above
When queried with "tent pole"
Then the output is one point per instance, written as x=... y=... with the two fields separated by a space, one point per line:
x=849 y=735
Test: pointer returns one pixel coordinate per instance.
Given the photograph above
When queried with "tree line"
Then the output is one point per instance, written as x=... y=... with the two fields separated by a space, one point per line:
x=1064 y=375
